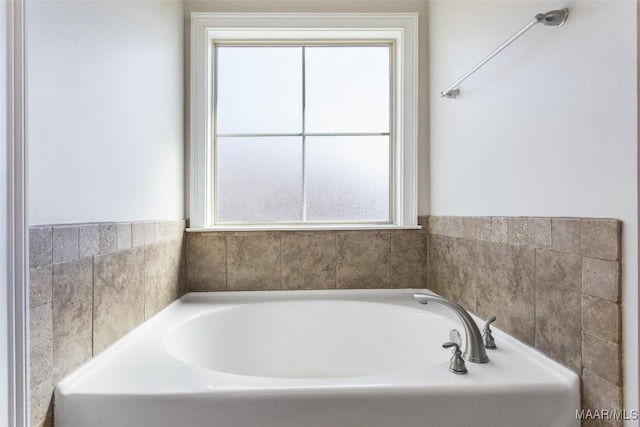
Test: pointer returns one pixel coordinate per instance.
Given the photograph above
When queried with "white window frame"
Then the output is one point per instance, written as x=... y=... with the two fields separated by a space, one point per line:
x=400 y=29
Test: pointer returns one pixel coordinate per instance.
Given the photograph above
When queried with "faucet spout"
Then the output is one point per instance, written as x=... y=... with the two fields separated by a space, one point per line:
x=474 y=348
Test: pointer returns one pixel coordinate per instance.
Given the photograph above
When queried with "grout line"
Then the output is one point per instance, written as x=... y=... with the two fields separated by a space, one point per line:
x=184 y=270
x=535 y=293
x=390 y=263
x=281 y=264
x=226 y=262
x=335 y=284
x=427 y=284
x=144 y=283
x=93 y=299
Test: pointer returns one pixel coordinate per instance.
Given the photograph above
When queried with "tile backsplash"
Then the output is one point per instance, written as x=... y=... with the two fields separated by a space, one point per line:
x=235 y=261
x=553 y=283
x=89 y=285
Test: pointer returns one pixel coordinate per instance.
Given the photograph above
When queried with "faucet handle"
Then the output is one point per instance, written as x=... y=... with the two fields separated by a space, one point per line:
x=487 y=338
x=454 y=336
x=457 y=365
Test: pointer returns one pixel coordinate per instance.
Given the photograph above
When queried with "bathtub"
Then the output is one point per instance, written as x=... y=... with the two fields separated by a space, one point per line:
x=347 y=358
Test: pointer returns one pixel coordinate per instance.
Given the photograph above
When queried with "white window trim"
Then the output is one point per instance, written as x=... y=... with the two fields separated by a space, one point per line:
x=400 y=28
x=14 y=324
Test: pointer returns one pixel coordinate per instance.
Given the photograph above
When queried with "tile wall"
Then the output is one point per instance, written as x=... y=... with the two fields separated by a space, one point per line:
x=240 y=261
x=554 y=283
x=89 y=285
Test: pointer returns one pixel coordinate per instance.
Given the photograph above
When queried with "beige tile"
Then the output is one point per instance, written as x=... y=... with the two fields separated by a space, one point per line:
x=539 y=233
x=309 y=261
x=558 y=270
x=149 y=233
x=72 y=314
x=598 y=393
x=600 y=422
x=557 y=315
x=206 y=257
x=162 y=264
x=124 y=236
x=364 y=260
x=137 y=234
x=183 y=271
x=483 y=228
x=601 y=278
x=41 y=401
x=601 y=238
x=108 y=238
x=65 y=243
x=89 y=240
x=41 y=344
x=469 y=227
x=254 y=262
x=40 y=286
x=602 y=357
x=434 y=271
x=174 y=230
x=409 y=260
x=558 y=307
x=437 y=225
x=566 y=235
x=166 y=231
x=118 y=302
x=530 y=232
x=453 y=269
x=40 y=246
x=48 y=421
x=162 y=231
x=601 y=318
x=499 y=230
x=453 y=226
x=505 y=287
x=518 y=231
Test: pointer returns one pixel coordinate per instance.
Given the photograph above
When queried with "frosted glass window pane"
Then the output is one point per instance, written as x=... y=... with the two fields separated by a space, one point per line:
x=259 y=90
x=259 y=179
x=347 y=89
x=347 y=178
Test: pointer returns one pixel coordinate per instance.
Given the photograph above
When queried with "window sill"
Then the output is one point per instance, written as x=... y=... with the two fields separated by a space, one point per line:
x=289 y=227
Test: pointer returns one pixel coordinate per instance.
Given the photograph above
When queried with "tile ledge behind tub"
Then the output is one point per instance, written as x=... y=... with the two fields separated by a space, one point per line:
x=553 y=282
x=306 y=228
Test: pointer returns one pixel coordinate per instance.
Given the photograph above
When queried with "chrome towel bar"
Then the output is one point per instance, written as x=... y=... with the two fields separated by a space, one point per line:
x=554 y=18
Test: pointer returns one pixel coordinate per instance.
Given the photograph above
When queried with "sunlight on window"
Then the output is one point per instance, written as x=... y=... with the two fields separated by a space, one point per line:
x=260 y=179
x=259 y=90
x=348 y=178
x=302 y=134
x=347 y=89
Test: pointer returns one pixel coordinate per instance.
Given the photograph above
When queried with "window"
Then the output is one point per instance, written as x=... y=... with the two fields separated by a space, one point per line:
x=302 y=134
x=303 y=121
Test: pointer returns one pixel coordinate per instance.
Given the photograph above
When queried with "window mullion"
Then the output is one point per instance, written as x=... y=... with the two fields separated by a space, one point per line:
x=304 y=140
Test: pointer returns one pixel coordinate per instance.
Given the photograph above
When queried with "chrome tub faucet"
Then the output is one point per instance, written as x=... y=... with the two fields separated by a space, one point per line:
x=474 y=350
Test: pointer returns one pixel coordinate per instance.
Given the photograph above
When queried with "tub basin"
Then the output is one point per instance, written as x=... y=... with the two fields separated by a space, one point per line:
x=311 y=358
x=311 y=339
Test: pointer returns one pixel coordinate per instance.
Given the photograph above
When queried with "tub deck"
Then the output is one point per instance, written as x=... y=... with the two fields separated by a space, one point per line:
x=143 y=379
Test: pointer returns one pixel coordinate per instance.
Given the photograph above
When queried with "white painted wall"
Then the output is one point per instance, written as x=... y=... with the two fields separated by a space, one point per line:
x=548 y=128
x=105 y=110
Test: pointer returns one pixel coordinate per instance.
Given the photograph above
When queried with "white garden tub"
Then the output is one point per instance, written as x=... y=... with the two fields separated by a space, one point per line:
x=311 y=359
